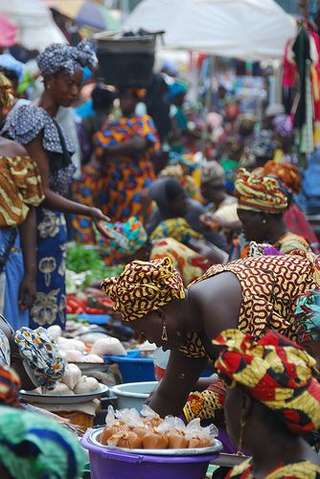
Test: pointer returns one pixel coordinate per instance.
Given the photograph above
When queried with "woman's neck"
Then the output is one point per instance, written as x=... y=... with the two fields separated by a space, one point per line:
x=46 y=102
x=281 y=449
x=276 y=232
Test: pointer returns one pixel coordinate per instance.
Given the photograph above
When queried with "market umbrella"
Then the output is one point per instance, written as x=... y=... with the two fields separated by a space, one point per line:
x=90 y=13
x=245 y=29
x=8 y=32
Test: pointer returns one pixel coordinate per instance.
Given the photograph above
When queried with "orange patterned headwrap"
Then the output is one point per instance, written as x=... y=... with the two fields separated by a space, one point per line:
x=287 y=173
x=144 y=286
x=276 y=372
x=257 y=192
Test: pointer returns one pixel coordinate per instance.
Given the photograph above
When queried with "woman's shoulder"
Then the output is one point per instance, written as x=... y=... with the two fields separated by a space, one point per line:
x=25 y=122
x=10 y=148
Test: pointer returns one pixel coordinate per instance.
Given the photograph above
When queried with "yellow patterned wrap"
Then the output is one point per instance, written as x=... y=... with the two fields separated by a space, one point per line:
x=20 y=188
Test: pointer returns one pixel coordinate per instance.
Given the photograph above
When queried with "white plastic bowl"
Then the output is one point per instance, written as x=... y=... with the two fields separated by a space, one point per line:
x=133 y=395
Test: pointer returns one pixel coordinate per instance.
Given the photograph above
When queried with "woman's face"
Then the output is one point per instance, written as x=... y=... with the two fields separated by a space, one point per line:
x=65 y=88
x=151 y=328
x=128 y=103
x=253 y=226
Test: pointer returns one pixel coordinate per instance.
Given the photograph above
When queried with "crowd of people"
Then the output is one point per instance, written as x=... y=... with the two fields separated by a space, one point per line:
x=220 y=261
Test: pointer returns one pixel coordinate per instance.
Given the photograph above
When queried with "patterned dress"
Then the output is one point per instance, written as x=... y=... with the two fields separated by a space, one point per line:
x=299 y=470
x=20 y=188
x=270 y=287
x=117 y=186
x=23 y=125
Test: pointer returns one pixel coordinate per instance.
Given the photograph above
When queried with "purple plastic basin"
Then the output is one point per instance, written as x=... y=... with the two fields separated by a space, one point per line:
x=112 y=464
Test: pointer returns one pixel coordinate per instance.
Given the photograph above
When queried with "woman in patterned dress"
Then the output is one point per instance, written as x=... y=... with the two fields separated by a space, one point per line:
x=270 y=414
x=35 y=127
x=124 y=148
x=253 y=294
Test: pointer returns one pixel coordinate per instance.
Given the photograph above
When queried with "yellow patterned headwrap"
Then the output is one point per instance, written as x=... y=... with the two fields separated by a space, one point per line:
x=276 y=372
x=6 y=96
x=257 y=192
x=144 y=286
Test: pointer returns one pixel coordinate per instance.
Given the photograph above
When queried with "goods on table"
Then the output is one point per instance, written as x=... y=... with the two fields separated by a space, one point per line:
x=78 y=351
x=73 y=382
x=130 y=430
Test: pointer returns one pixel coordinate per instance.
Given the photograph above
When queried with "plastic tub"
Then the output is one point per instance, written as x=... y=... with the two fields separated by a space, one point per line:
x=113 y=464
x=133 y=394
x=134 y=367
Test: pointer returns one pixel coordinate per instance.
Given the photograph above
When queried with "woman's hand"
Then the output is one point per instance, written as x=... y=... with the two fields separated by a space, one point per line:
x=97 y=215
x=27 y=292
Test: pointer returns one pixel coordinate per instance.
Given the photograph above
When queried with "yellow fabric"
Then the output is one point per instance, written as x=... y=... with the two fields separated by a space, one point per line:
x=258 y=192
x=299 y=470
x=182 y=257
x=20 y=188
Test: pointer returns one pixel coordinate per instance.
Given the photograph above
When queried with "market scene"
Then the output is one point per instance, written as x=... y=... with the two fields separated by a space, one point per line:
x=159 y=239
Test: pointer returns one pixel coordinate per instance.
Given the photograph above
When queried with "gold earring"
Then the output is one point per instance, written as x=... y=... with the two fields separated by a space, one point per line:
x=242 y=426
x=164 y=335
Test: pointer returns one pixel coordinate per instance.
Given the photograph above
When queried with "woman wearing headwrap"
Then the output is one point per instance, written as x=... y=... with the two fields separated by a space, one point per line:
x=262 y=204
x=252 y=294
x=35 y=127
x=20 y=192
x=125 y=148
x=271 y=405
x=32 y=446
x=294 y=217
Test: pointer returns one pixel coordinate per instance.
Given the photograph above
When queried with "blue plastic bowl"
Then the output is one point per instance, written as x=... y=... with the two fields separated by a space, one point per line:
x=134 y=367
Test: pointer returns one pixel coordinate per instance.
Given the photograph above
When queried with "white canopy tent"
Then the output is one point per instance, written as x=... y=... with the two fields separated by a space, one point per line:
x=36 y=27
x=244 y=29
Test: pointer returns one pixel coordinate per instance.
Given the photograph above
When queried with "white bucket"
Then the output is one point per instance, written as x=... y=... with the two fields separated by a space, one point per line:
x=133 y=395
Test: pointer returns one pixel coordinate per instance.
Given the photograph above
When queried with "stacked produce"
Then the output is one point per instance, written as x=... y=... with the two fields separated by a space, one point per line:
x=130 y=430
x=91 y=349
x=73 y=382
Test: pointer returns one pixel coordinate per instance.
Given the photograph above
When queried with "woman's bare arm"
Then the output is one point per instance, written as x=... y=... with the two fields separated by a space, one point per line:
x=181 y=376
x=54 y=200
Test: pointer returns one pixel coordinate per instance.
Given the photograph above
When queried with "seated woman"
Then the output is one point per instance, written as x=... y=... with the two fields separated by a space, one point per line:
x=253 y=294
x=262 y=205
x=173 y=205
x=169 y=243
x=271 y=405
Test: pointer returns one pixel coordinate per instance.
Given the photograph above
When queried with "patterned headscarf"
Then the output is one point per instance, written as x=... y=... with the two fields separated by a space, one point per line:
x=6 y=95
x=41 y=357
x=257 y=192
x=286 y=172
x=177 y=228
x=135 y=233
x=9 y=387
x=58 y=57
x=144 y=286
x=38 y=447
x=276 y=372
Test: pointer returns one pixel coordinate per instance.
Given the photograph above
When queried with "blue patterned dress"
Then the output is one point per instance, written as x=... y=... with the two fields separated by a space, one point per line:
x=23 y=125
